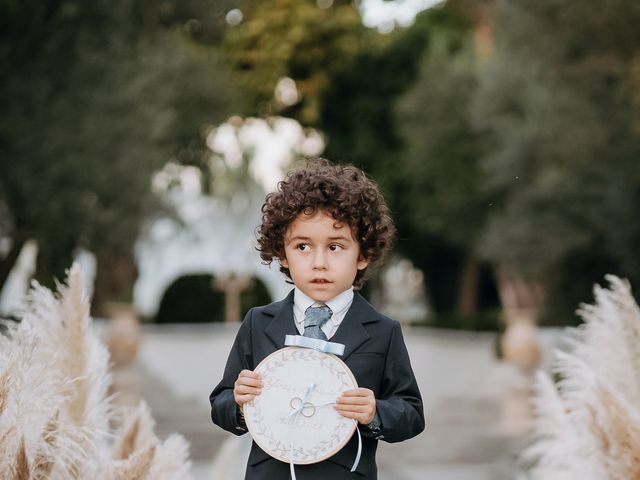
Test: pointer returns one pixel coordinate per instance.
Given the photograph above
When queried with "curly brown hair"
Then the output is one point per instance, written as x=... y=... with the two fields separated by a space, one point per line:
x=342 y=191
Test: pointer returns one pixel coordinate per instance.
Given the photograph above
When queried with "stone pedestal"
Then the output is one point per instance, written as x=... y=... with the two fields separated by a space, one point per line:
x=516 y=403
x=519 y=343
x=232 y=285
x=521 y=349
x=122 y=338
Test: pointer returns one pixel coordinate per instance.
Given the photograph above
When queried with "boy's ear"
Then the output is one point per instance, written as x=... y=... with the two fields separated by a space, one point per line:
x=362 y=263
x=284 y=263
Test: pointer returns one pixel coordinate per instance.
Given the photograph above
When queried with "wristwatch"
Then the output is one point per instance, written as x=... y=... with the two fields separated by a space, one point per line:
x=375 y=426
x=242 y=425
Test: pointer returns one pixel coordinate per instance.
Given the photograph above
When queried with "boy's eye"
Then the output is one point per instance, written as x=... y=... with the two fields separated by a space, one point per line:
x=303 y=247
x=335 y=247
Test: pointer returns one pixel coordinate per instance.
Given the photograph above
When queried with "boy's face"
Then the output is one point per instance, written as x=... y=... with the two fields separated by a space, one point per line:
x=322 y=256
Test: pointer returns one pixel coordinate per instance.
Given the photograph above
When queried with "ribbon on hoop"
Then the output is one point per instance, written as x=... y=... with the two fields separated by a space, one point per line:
x=314 y=343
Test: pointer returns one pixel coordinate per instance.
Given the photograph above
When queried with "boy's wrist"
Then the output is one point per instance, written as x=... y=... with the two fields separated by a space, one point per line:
x=376 y=424
x=374 y=427
x=241 y=424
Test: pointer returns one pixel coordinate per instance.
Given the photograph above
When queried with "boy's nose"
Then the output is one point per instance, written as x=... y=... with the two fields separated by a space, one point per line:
x=319 y=260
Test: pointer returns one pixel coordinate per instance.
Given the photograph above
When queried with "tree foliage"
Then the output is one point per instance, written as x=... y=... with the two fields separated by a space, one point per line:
x=502 y=130
x=445 y=205
x=520 y=151
x=561 y=115
x=97 y=96
x=410 y=129
x=441 y=163
x=295 y=39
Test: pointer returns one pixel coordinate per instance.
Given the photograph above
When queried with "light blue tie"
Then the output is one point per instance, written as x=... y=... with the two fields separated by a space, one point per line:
x=314 y=319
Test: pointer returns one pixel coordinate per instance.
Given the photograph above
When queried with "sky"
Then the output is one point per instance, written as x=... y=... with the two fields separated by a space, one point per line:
x=380 y=14
x=384 y=15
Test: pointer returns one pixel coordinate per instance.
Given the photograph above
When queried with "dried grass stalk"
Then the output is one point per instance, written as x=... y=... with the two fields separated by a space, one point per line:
x=45 y=457
x=171 y=461
x=587 y=426
x=5 y=378
x=136 y=432
x=137 y=466
x=55 y=414
x=21 y=471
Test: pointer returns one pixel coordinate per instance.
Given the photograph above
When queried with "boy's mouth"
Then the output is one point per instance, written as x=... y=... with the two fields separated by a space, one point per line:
x=320 y=280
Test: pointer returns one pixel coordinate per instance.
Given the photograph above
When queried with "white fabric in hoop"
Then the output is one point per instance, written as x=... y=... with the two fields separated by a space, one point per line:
x=291 y=419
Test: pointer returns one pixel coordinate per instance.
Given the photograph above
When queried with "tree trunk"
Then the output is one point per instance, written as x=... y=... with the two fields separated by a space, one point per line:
x=7 y=263
x=469 y=284
x=116 y=273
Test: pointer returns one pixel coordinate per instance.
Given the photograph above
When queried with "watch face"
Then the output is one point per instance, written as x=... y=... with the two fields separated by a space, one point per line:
x=294 y=417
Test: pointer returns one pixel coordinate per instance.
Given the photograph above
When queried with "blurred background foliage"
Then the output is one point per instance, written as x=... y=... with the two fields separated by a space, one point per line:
x=96 y=96
x=506 y=134
x=294 y=39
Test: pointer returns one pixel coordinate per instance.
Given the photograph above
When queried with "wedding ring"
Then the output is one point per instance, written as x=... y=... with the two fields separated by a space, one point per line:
x=307 y=410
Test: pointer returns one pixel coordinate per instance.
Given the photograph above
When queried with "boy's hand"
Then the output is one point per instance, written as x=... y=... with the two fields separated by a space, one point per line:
x=359 y=404
x=246 y=387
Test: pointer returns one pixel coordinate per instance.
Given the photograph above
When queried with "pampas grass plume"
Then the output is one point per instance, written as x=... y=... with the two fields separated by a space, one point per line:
x=587 y=426
x=172 y=460
x=55 y=414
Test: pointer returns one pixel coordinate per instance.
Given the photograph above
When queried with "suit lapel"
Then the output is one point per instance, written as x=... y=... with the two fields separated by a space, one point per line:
x=351 y=332
x=282 y=323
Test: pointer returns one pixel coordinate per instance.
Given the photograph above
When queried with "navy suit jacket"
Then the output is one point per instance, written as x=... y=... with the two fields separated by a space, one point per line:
x=376 y=354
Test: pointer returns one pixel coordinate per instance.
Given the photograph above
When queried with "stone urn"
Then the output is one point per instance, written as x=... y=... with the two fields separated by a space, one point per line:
x=521 y=351
x=122 y=337
x=519 y=344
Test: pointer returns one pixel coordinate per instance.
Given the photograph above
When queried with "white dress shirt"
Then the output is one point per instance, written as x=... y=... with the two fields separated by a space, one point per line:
x=339 y=305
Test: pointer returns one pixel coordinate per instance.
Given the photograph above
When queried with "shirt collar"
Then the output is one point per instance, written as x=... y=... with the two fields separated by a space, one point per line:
x=337 y=304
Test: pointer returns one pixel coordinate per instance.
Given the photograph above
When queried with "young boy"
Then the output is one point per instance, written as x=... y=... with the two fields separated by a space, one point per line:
x=326 y=225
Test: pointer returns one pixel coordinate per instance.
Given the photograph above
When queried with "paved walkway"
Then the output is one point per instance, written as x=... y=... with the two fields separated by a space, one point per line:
x=462 y=384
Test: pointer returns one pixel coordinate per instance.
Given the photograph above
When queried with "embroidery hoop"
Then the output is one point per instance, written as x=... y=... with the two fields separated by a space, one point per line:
x=296 y=377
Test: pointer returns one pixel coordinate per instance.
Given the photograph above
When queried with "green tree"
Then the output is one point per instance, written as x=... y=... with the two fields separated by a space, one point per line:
x=443 y=198
x=295 y=39
x=561 y=116
x=410 y=129
x=97 y=96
